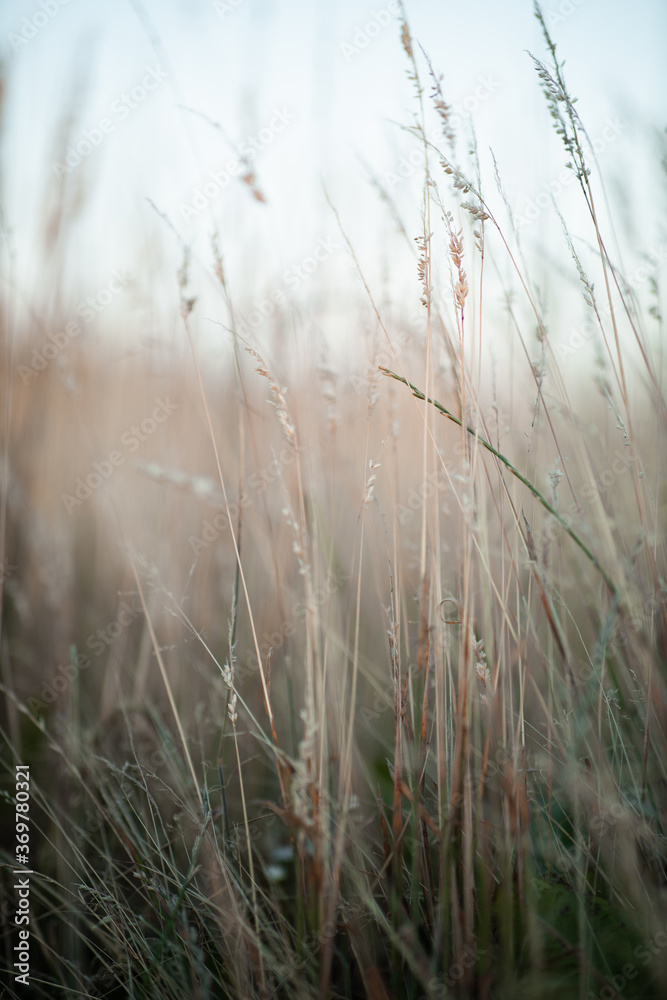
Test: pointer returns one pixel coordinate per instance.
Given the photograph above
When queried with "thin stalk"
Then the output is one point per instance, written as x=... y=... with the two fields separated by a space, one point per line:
x=515 y=472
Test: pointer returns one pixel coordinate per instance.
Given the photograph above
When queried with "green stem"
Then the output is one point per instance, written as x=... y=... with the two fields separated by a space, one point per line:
x=515 y=472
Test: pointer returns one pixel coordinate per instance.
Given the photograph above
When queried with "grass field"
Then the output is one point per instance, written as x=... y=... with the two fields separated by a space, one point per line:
x=346 y=679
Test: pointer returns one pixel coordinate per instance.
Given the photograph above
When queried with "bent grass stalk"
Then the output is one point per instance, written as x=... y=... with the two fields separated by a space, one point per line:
x=163 y=672
x=515 y=472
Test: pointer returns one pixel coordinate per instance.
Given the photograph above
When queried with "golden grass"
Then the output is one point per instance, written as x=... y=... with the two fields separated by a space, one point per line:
x=358 y=714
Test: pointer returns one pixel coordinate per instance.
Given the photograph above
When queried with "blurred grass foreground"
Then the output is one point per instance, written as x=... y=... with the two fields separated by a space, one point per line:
x=322 y=682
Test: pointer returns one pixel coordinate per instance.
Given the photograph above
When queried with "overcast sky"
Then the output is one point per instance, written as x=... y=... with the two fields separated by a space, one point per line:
x=310 y=92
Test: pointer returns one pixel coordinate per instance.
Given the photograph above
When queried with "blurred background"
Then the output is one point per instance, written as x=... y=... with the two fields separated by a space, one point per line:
x=158 y=154
x=337 y=78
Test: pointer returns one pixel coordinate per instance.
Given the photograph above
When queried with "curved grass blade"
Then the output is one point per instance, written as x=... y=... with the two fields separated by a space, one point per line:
x=515 y=472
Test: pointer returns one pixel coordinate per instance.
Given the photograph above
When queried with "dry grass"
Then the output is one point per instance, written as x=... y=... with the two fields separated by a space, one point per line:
x=366 y=717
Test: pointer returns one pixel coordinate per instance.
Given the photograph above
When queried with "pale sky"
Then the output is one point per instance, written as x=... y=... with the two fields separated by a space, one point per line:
x=317 y=87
